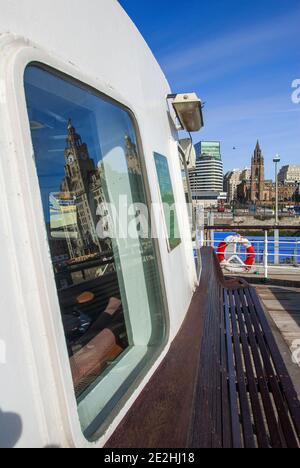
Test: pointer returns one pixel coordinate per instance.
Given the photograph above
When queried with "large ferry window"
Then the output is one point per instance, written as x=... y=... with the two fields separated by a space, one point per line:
x=105 y=268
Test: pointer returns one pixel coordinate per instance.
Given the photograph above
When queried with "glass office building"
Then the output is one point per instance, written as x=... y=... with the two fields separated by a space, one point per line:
x=209 y=173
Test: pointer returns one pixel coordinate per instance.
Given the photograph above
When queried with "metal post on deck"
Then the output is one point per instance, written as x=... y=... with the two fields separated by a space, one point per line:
x=212 y=232
x=266 y=255
x=200 y=222
x=296 y=264
x=276 y=247
x=276 y=160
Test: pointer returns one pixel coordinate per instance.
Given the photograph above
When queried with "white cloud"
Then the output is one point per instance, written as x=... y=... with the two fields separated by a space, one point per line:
x=250 y=109
x=232 y=51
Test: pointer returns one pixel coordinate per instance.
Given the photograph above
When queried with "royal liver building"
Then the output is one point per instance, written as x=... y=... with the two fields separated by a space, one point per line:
x=82 y=187
x=82 y=181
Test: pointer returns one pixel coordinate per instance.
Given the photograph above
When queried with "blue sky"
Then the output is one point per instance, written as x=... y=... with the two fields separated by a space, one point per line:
x=241 y=58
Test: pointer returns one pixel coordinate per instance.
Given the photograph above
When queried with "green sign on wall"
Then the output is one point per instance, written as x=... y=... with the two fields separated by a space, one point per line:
x=168 y=199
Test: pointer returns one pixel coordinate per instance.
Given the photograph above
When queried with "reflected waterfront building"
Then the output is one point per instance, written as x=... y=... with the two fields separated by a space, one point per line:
x=82 y=187
x=82 y=181
x=133 y=162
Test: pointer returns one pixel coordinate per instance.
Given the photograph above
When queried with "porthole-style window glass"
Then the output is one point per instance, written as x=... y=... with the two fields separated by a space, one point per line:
x=105 y=269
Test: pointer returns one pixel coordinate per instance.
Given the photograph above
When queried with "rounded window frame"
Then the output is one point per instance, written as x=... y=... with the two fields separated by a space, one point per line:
x=19 y=55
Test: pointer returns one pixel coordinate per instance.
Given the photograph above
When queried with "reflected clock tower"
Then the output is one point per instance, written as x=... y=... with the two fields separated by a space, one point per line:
x=82 y=180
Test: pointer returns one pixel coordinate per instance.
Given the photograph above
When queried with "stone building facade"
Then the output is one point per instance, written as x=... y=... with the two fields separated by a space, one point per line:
x=289 y=174
x=82 y=181
x=259 y=191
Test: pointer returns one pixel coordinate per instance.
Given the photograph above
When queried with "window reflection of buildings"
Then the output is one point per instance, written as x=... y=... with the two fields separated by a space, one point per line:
x=133 y=162
x=83 y=181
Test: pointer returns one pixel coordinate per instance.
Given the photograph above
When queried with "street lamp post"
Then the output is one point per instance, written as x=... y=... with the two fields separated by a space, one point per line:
x=276 y=161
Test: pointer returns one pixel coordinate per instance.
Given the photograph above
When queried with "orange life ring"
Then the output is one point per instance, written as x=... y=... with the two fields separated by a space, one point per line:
x=250 y=259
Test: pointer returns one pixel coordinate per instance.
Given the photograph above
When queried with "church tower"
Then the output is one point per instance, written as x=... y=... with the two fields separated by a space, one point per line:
x=257 y=176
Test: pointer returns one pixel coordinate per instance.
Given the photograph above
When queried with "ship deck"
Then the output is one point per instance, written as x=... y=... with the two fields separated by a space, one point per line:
x=279 y=275
x=280 y=296
x=223 y=384
x=282 y=306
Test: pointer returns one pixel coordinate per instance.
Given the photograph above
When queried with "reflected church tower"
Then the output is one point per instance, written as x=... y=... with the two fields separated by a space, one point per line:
x=134 y=168
x=82 y=180
x=133 y=162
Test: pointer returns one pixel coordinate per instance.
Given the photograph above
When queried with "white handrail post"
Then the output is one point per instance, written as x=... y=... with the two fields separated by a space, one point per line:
x=266 y=255
x=276 y=247
x=296 y=254
x=212 y=232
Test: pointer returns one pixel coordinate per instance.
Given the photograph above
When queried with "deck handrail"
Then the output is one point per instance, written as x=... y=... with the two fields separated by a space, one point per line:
x=263 y=257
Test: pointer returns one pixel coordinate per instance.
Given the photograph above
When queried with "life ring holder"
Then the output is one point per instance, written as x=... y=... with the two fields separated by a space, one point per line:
x=235 y=264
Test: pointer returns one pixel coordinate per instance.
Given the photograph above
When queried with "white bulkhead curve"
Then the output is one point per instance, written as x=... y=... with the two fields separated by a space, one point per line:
x=97 y=43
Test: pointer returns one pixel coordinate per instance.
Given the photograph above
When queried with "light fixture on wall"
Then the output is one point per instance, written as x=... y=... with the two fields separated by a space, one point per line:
x=188 y=109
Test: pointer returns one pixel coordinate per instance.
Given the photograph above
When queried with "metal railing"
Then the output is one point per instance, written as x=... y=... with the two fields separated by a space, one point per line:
x=273 y=255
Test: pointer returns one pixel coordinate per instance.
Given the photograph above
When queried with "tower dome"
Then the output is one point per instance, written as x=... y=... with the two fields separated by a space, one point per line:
x=73 y=137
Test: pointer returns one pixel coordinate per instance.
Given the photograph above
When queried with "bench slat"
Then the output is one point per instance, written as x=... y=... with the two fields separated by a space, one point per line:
x=236 y=430
x=260 y=428
x=226 y=420
x=285 y=380
x=277 y=440
x=273 y=379
x=241 y=381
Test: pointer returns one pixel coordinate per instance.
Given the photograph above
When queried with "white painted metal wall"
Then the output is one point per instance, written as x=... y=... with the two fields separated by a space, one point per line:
x=95 y=42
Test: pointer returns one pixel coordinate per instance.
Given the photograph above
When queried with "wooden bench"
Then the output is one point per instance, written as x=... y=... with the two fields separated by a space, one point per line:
x=223 y=383
x=244 y=395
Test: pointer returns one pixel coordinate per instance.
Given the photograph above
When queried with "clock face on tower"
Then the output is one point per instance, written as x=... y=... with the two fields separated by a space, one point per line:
x=83 y=156
x=71 y=159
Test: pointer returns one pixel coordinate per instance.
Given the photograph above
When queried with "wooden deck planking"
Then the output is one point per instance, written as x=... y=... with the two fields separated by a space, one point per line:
x=283 y=306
